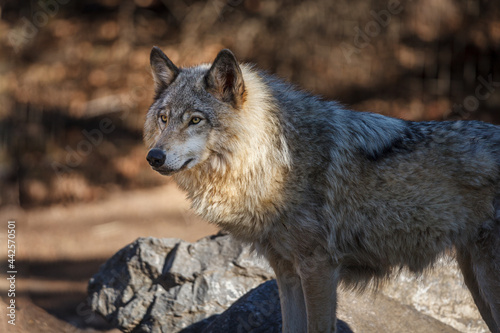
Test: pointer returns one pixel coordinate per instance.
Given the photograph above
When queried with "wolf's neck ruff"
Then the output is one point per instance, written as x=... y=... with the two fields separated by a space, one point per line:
x=240 y=186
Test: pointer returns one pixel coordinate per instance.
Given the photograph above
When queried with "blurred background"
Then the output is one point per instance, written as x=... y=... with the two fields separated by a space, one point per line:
x=75 y=86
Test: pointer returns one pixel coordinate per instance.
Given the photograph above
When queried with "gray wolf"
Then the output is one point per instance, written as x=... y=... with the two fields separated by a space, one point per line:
x=327 y=195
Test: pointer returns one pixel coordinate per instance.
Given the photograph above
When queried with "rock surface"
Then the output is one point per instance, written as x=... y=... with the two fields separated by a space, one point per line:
x=439 y=293
x=168 y=285
x=165 y=285
x=258 y=311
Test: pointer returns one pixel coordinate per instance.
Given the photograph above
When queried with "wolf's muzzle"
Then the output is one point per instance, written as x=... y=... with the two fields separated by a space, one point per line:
x=156 y=157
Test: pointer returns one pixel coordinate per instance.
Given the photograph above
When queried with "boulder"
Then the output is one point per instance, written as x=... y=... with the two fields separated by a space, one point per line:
x=166 y=285
x=259 y=311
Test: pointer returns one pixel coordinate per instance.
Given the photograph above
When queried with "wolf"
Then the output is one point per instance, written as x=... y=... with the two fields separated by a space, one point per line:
x=326 y=194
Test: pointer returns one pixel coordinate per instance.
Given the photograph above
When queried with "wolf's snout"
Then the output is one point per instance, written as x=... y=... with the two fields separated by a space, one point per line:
x=156 y=157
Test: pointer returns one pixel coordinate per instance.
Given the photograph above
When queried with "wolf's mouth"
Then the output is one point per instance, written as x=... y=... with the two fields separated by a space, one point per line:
x=186 y=164
x=168 y=172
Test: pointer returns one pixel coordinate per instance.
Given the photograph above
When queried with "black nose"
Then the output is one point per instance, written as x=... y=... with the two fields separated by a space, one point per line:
x=156 y=157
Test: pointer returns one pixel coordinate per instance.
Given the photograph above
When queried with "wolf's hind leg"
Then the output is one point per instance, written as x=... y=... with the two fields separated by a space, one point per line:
x=486 y=264
x=466 y=266
x=480 y=264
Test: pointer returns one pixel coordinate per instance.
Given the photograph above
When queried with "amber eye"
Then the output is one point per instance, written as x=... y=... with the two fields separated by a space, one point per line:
x=163 y=118
x=195 y=120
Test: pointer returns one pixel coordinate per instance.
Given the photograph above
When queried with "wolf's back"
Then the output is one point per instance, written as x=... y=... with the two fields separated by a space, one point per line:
x=474 y=143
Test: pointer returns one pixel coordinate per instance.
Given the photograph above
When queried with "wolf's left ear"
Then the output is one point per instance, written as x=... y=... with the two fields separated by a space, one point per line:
x=224 y=80
x=164 y=70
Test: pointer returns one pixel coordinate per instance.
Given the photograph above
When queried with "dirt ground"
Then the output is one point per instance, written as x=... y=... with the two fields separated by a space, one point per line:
x=62 y=246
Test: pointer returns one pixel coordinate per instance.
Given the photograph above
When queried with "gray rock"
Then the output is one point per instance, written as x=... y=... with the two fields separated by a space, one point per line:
x=165 y=285
x=258 y=311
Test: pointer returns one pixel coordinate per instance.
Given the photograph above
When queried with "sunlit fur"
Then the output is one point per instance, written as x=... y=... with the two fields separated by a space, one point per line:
x=240 y=187
x=330 y=195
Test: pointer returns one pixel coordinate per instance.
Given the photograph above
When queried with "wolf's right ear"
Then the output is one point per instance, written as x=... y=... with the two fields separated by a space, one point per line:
x=225 y=80
x=164 y=70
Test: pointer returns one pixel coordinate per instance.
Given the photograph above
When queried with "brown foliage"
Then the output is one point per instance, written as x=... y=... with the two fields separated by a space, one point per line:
x=89 y=61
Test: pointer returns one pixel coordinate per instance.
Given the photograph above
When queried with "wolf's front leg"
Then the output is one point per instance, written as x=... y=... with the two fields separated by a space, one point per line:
x=319 y=283
x=293 y=307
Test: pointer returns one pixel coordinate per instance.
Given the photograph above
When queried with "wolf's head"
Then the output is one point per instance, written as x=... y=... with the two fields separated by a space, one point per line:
x=185 y=124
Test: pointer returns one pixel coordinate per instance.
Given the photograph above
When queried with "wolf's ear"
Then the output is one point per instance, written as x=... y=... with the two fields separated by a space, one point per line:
x=224 y=80
x=164 y=70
